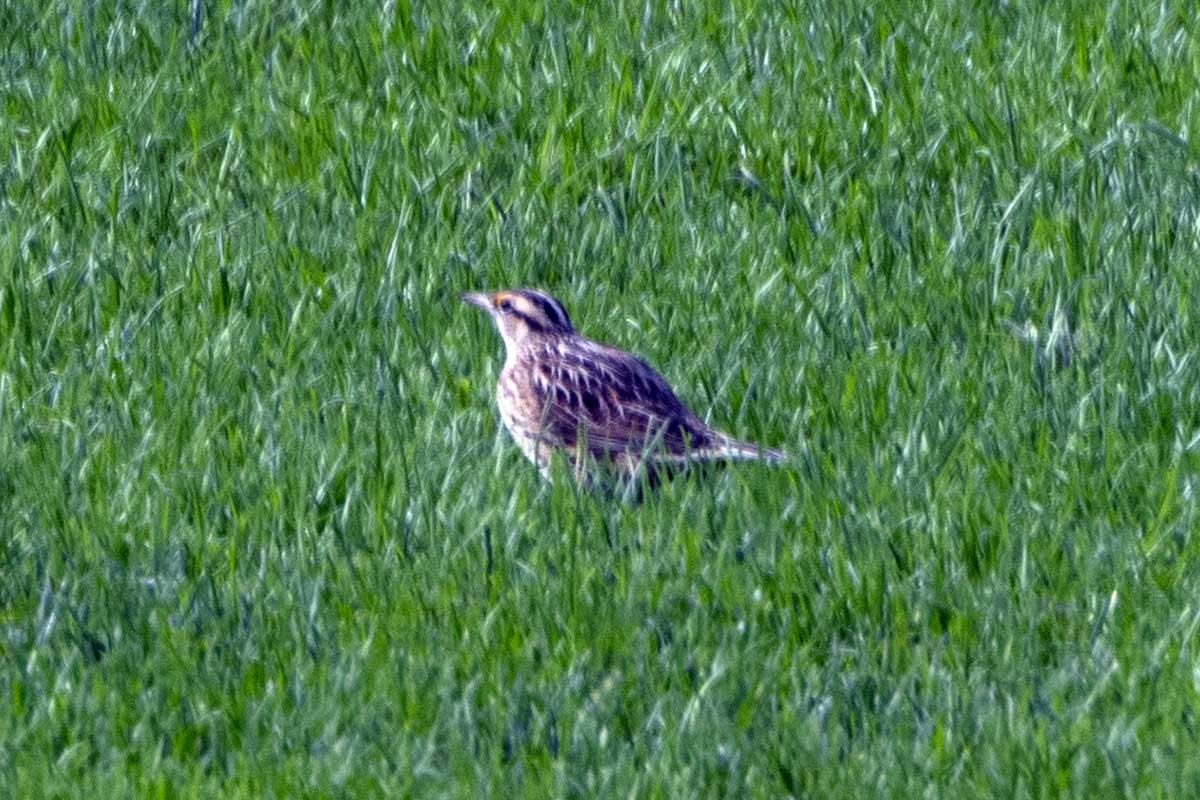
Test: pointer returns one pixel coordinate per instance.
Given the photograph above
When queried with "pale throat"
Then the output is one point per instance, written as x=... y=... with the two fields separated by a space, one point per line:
x=514 y=340
x=518 y=340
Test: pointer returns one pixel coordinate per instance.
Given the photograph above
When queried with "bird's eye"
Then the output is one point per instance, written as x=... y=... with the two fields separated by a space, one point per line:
x=505 y=305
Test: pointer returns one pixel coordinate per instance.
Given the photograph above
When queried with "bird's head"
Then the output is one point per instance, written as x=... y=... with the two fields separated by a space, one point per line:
x=521 y=314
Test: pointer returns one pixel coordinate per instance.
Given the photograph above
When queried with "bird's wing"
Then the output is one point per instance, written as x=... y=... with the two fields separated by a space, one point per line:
x=615 y=401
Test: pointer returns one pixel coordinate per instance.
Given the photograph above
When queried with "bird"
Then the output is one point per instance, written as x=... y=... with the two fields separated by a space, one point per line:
x=605 y=409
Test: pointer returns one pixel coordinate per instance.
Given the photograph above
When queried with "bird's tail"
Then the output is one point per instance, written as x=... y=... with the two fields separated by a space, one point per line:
x=724 y=448
x=732 y=448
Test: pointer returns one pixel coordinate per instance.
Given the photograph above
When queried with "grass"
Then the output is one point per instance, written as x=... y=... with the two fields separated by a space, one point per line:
x=261 y=534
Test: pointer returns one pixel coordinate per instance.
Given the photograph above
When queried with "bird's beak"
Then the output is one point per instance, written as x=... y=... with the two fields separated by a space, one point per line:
x=477 y=299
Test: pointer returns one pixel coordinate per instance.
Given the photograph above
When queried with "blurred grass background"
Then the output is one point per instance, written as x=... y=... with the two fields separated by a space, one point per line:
x=262 y=534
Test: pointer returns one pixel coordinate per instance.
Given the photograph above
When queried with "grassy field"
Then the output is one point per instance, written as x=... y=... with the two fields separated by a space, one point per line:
x=261 y=534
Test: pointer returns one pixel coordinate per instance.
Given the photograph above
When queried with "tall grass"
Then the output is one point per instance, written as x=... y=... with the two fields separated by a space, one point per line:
x=262 y=535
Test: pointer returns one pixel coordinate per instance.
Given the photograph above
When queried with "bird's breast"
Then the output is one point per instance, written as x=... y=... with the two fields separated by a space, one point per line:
x=518 y=411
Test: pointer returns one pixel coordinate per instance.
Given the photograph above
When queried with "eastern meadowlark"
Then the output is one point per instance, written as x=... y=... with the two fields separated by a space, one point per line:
x=561 y=391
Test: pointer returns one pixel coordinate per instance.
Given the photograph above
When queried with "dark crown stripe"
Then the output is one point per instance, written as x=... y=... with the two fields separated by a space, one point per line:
x=552 y=309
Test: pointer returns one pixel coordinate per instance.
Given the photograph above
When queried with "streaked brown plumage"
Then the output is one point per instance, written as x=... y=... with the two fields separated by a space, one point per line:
x=559 y=390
